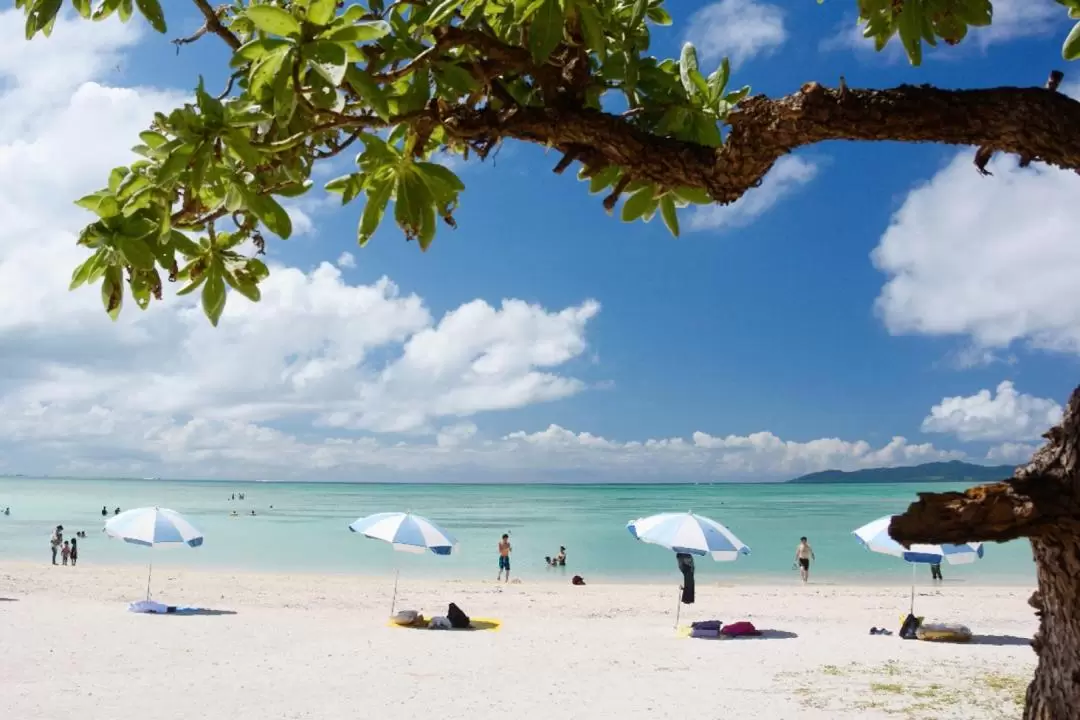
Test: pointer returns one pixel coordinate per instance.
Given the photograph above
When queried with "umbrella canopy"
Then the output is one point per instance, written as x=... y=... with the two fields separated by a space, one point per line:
x=874 y=536
x=406 y=532
x=688 y=533
x=153 y=526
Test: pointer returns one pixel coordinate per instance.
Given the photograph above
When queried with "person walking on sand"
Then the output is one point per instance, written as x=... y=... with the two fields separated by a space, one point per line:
x=803 y=555
x=504 y=557
x=74 y=551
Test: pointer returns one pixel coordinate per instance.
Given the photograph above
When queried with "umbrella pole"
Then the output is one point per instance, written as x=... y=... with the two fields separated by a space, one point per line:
x=149 y=574
x=912 y=588
x=393 y=601
x=678 y=608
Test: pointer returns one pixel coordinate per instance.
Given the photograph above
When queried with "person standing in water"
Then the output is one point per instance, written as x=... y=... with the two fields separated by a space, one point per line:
x=56 y=541
x=504 y=557
x=803 y=555
x=74 y=551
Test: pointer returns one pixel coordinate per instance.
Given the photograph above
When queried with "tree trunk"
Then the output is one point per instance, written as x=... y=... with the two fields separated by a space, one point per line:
x=1054 y=693
x=1041 y=502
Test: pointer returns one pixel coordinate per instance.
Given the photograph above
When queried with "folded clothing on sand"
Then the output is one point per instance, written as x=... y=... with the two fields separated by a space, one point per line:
x=743 y=628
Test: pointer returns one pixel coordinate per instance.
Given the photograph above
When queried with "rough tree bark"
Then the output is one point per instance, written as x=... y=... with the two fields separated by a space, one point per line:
x=1041 y=502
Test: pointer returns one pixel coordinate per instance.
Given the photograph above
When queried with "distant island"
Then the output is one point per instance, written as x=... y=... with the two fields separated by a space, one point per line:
x=953 y=471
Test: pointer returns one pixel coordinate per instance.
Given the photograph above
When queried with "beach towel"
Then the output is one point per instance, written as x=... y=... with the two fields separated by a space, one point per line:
x=700 y=632
x=475 y=625
x=740 y=629
x=156 y=608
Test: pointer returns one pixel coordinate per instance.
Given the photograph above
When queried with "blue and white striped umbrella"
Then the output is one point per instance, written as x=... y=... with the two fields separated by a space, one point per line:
x=688 y=533
x=153 y=526
x=406 y=532
x=875 y=537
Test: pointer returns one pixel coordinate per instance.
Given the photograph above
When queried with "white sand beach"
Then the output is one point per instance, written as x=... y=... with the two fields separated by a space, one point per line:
x=314 y=646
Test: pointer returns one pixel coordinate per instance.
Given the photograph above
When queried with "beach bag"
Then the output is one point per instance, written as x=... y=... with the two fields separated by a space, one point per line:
x=406 y=618
x=740 y=629
x=577 y=580
x=457 y=618
x=910 y=629
x=944 y=632
x=707 y=625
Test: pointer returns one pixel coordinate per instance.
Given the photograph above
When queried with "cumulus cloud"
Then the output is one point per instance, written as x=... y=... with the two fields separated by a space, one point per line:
x=1011 y=453
x=739 y=29
x=1004 y=415
x=988 y=258
x=787 y=176
x=346 y=260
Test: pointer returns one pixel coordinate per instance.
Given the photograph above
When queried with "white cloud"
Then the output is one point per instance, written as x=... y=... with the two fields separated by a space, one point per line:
x=739 y=29
x=989 y=258
x=346 y=260
x=1015 y=19
x=984 y=416
x=1011 y=453
x=786 y=177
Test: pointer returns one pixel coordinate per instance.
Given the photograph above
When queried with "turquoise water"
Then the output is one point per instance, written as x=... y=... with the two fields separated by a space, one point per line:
x=307 y=528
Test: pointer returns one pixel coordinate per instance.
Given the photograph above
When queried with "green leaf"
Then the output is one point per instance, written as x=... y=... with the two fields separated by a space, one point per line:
x=136 y=253
x=604 y=179
x=213 y=295
x=687 y=63
x=329 y=60
x=411 y=201
x=640 y=8
x=41 y=16
x=104 y=205
x=362 y=82
x=255 y=49
x=240 y=284
x=374 y=208
x=592 y=27
x=266 y=70
x=348 y=185
x=112 y=291
x=718 y=81
x=546 y=30
x=441 y=12
x=82 y=273
x=273 y=20
x=321 y=12
x=638 y=204
x=271 y=214
x=910 y=26
x=365 y=31
x=1071 y=49
x=82 y=7
x=667 y=212
x=151 y=10
x=693 y=195
x=659 y=16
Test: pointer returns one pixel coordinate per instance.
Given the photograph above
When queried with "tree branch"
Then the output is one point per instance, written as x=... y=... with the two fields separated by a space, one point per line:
x=213 y=24
x=1029 y=122
x=1041 y=496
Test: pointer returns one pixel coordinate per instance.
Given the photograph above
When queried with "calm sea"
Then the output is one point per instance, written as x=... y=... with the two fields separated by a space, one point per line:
x=307 y=528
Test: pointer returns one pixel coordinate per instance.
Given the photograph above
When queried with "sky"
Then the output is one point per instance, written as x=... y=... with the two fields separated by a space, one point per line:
x=868 y=305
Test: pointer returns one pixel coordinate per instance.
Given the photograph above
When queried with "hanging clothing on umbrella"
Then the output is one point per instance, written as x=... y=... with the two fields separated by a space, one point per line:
x=686 y=567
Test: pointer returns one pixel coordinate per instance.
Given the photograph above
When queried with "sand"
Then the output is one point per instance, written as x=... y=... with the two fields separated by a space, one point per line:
x=318 y=646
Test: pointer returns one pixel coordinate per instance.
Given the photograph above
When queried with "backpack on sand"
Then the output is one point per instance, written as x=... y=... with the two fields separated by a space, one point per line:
x=457 y=618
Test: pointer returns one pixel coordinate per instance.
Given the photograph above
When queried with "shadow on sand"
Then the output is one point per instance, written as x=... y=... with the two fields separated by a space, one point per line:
x=1000 y=640
x=188 y=612
x=765 y=635
x=4 y=599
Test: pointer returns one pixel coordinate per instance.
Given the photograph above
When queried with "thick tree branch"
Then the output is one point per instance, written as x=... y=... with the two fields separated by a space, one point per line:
x=1042 y=496
x=1029 y=122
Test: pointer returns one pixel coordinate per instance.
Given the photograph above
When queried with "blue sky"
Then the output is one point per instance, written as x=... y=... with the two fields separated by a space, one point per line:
x=769 y=324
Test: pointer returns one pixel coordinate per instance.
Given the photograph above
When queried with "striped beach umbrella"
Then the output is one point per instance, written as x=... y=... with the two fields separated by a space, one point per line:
x=407 y=533
x=153 y=527
x=688 y=533
x=874 y=536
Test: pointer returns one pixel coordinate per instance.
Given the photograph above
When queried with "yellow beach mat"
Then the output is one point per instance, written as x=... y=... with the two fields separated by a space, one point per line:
x=477 y=624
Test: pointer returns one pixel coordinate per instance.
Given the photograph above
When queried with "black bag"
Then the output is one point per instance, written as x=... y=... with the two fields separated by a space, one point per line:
x=686 y=567
x=909 y=630
x=458 y=619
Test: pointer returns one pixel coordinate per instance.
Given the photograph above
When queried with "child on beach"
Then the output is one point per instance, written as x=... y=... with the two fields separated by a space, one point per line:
x=74 y=552
x=65 y=553
x=504 y=557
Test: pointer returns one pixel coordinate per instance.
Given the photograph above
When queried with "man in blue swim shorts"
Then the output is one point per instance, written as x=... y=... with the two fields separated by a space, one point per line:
x=504 y=557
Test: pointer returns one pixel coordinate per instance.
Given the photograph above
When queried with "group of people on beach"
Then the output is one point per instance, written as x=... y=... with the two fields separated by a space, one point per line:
x=559 y=560
x=804 y=553
x=68 y=550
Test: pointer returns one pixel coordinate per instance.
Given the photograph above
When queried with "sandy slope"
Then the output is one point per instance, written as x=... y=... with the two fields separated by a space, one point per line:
x=318 y=647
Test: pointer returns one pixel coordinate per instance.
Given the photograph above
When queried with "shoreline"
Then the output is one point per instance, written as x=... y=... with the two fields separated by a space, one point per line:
x=562 y=577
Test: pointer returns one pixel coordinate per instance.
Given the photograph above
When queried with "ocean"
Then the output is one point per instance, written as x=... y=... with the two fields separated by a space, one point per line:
x=306 y=529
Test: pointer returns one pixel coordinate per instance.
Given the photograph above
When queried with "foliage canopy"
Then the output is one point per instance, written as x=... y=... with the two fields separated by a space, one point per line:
x=404 y=82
